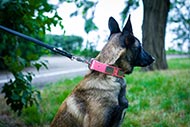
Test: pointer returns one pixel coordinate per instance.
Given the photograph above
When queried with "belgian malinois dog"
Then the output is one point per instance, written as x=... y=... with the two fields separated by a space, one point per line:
x=99 y=99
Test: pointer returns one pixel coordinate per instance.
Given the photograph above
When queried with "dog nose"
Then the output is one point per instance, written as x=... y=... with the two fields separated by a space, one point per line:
x=152 y=59
x=149 y=60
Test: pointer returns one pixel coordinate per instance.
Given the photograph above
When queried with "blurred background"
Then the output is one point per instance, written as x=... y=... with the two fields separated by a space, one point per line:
x=28 y=72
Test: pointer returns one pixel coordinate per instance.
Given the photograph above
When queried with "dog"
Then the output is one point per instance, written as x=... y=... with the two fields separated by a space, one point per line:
x=99 y=99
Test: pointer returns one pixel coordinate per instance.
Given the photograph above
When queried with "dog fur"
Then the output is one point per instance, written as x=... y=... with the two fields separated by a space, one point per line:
x=99 y=100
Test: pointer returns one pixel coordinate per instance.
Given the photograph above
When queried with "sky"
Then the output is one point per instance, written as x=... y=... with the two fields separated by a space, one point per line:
x=104 y=9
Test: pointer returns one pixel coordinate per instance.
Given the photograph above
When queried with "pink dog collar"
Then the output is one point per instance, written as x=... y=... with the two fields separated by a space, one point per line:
x=106 y=69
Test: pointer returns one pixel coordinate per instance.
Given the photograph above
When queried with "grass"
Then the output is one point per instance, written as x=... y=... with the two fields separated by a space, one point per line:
x=160 y=98
x=171 y=51
x=156 y=99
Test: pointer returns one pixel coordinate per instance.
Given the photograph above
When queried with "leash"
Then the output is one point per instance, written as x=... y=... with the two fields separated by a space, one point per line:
x=40 y=43
x=93 y=64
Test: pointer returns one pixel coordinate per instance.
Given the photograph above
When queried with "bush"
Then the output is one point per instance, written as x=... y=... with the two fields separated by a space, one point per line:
x=27 y=17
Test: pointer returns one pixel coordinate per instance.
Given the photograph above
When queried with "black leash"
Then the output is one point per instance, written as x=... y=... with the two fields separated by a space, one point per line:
x=38 y=42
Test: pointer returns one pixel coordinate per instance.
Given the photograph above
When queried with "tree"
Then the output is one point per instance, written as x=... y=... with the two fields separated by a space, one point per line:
x=153 y=29
x=25 y=16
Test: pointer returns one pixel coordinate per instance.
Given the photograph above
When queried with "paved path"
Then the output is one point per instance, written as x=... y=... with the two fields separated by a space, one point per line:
x=60 y=68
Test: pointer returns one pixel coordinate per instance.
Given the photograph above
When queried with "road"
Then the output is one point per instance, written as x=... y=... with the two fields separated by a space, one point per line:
x=59 y=68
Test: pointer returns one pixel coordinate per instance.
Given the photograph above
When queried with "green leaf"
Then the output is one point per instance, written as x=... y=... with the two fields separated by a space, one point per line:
x=24 y=101
x=38 y=66
x=90 y=25
x=29 y=77
x=20 y=92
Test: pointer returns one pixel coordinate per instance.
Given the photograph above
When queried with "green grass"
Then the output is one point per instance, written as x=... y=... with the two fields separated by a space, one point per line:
x=173 y=51
x=160 y=98
x=52 y=97
x=156 y=99
x=179 y=64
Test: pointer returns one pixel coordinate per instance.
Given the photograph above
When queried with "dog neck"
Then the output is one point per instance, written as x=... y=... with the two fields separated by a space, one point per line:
x=106 y=69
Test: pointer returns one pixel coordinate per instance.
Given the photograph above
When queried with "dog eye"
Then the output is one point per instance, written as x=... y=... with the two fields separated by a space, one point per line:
x=131 y=39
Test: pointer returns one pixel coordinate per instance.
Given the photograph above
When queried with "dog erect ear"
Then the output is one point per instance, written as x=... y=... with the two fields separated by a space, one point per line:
x=127 y=37
x=128 y=27
x=113 y=26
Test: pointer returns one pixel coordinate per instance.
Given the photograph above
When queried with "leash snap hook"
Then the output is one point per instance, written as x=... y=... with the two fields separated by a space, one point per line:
x=79 y=59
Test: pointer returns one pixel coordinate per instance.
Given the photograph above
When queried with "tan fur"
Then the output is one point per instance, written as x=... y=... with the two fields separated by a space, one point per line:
x=90 y=90
x=111 y=51
x=88 y=104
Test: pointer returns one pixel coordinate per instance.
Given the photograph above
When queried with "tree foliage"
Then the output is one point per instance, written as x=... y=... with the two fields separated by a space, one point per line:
x=28 y=17
x=68 y=43
x=87 y=9
x=179 y=18
x=130 y=5
x=72 y=44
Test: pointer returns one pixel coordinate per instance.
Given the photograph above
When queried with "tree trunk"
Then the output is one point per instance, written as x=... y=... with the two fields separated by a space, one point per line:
x=153 y=29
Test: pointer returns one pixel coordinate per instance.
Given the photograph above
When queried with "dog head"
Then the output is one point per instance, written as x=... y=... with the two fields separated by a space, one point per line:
x=123 y=49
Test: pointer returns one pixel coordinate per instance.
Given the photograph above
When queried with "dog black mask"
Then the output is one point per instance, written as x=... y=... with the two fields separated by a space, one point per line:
x=135 y=54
